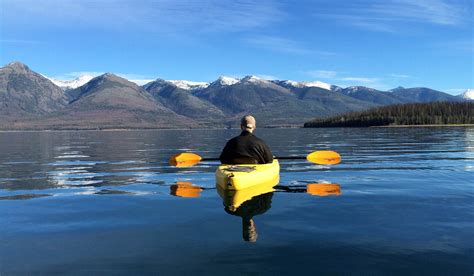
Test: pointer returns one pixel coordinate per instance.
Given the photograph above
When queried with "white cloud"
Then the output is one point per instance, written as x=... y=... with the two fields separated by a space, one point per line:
x=343 y=80
x=438 y=12
x=165 y=16
x=389 y=15
x=399 y=76
x=21 y=41
x=359 y=80
x=279 y=44
x=336 y=77
x=376 y=83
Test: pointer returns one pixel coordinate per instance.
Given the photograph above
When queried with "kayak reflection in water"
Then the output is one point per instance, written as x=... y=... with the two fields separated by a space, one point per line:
x=250 y=208
x=246 y=148
x=247 y=203
x=257 y=200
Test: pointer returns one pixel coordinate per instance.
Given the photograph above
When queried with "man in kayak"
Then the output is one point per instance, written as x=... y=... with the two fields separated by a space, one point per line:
x=246 y=148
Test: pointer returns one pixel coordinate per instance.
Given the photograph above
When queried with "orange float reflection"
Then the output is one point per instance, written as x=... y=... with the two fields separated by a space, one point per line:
x=185 y=189
x=323 y=189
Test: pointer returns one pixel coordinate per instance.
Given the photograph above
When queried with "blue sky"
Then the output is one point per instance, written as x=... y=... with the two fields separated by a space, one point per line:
x=379 y=44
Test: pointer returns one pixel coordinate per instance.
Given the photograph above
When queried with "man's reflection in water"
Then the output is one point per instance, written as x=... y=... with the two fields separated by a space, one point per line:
x=257 y=200
x=250 y=208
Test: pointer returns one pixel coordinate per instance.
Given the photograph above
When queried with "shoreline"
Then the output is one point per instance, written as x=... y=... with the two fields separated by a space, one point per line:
x=451 y=125
x=272 y=127
x=134 y=129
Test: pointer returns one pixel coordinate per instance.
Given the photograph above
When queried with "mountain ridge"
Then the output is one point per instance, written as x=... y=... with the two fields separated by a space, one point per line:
x=25 y=92
x=111 y=101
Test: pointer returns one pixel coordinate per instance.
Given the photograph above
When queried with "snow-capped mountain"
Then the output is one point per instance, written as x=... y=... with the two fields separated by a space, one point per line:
x=392 y=96
x=468 y=94
x=253 y=79
x=112 y=101
x=194 y=85
x=189 y=85
x=356 y=89
x=72 y=84
x=303 y=84
x=224 y=81
x=319 y=84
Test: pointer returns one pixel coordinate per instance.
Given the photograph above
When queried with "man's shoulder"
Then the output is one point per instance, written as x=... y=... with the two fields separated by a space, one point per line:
x=234 y=139
x=247 y=137
x=258 y=140
x=253 y=136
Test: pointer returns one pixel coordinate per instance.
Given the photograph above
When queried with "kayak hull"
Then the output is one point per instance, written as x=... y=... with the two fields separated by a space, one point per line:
x=238 y=177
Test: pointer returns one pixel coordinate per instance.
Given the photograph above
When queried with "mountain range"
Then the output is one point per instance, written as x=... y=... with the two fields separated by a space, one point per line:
x=29 y=100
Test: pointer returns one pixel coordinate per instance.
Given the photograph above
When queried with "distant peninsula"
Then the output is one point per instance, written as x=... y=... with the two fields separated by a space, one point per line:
x=434 y=113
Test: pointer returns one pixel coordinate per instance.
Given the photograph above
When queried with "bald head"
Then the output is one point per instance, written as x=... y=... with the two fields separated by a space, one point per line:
x=248 y=123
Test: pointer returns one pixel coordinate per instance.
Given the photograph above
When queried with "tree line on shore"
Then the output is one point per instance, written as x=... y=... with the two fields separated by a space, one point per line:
x=434 y=113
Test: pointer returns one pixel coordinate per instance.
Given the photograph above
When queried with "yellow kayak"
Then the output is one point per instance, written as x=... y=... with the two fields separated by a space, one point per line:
x=238 y=177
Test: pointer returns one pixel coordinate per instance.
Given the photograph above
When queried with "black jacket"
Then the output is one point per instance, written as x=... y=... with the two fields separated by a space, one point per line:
x=246 y=149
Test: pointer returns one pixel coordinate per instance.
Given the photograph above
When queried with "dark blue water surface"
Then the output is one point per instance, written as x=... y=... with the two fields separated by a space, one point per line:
x=107 y=203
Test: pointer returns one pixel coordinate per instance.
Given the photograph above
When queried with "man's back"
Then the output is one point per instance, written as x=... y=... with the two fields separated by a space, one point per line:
x=246 y=149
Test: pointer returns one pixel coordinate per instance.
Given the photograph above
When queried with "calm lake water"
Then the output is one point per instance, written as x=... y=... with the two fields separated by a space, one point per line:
x=108 y=203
